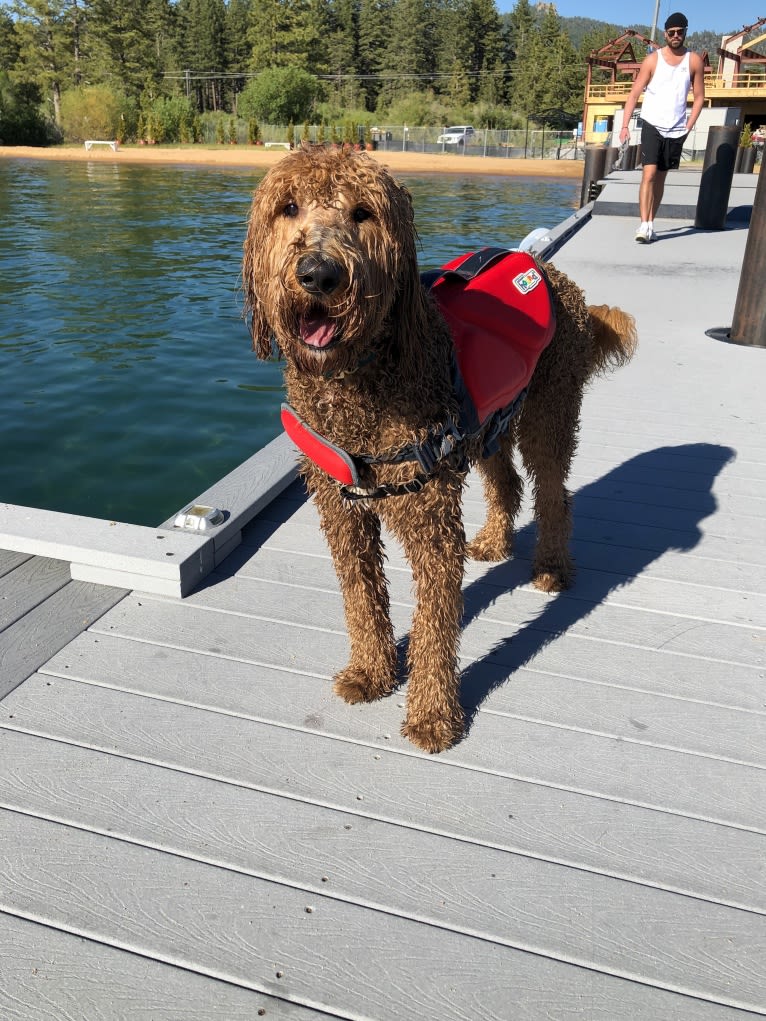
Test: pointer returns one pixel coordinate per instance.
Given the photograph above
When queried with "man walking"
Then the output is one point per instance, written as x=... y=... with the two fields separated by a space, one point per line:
x=666 y=75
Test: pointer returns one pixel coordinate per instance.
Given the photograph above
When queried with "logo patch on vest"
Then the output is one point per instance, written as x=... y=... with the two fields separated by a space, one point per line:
x=526 y=282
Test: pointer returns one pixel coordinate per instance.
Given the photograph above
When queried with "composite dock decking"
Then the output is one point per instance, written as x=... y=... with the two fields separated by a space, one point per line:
x=193 y=827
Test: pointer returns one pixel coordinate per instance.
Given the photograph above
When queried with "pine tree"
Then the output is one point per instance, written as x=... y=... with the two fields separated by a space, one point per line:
x=523 y=37
x=263 y=32
x=484 y=49
x=286 y=33
x=343 y=38
x=374 y=24
x=556 y=59
x=409 y=60
x=201 y=43
x=236 y=49
x=521 y=27
x=47 y=47
x=130 y=43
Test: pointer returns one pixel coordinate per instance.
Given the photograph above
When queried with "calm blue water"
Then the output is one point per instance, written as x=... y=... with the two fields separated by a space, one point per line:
x=127 y=383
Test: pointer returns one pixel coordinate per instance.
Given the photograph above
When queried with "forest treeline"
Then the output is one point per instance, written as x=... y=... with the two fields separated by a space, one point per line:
x=140 y=69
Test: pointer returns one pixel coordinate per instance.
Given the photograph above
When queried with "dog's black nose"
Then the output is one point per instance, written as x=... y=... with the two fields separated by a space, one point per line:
x=318 y=275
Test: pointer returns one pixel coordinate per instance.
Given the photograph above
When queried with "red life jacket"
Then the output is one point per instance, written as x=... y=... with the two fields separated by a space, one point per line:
x=499 y=308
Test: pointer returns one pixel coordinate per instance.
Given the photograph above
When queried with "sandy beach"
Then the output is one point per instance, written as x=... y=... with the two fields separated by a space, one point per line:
x=258 y=156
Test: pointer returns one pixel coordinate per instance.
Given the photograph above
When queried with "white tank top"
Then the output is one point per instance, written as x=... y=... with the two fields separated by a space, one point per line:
x=664 y=103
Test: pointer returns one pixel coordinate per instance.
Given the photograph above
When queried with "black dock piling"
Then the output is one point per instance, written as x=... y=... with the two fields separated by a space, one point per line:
x=749 y=323
x=592 y=172
x=717 y=174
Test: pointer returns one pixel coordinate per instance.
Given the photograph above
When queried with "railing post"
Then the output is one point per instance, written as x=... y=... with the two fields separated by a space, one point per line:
x=717 y=175
x=593 y=169
x=749 y=323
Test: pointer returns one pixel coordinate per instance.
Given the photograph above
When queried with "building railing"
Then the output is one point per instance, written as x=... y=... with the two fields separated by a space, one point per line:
x=715 y=85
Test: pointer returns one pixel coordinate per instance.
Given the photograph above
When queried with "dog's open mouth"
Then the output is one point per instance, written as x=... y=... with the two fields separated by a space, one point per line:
x=318 y=330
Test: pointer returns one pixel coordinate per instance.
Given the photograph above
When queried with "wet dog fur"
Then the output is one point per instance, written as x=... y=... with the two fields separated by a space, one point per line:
x=330 y=276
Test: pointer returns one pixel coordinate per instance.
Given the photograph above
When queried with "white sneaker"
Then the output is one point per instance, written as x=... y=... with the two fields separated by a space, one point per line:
x=644 y=233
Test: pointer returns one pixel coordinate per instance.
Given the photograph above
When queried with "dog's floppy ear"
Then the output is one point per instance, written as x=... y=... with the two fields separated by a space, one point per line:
x=264 y=341
x=410 y=309
x=260 y=331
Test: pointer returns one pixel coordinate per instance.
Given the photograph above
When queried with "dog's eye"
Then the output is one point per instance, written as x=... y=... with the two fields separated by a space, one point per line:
x=361 y=214
x=290 y=210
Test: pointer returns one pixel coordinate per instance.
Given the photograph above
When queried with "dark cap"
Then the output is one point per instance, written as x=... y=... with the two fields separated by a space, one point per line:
x=676 y=20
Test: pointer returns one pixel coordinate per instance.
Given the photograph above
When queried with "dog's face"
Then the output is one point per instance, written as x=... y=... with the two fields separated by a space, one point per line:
x=330 y=248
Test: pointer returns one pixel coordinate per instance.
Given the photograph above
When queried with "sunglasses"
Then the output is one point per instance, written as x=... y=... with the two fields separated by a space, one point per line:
x=675 y=31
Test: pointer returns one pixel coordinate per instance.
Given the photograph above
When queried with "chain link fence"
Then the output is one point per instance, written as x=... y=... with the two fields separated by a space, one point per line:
x=518 y=143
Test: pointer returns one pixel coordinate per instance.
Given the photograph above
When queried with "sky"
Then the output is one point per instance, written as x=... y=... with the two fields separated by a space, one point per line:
x=703 y=15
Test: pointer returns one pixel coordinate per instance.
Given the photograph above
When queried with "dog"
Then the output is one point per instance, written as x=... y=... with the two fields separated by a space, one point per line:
x=330 y=279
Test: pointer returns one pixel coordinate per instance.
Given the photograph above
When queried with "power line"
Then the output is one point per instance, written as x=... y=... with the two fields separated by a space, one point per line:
x=434 y=76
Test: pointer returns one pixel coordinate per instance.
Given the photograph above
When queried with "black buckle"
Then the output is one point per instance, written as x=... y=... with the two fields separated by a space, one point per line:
x=352 y=494
x=429 y=454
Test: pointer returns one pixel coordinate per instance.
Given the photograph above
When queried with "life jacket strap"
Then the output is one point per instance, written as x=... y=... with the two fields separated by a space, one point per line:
x=442 y=442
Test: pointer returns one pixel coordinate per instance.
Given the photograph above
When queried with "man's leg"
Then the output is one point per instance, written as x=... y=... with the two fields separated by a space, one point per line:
x=650 y=147
x=658 y=190
x=646 y=191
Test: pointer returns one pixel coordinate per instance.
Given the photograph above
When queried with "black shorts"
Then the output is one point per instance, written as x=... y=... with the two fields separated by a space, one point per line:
x=656 y=150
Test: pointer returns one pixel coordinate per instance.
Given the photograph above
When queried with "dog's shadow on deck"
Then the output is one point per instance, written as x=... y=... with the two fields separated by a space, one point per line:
x=615 y=546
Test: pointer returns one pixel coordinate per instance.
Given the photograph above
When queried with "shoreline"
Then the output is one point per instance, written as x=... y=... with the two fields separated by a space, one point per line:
x=260 y=158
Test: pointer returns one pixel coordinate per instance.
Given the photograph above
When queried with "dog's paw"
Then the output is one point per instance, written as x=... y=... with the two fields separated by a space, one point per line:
x=553 y=580
x=434 y=735
x=354 y=685
x=490 y=545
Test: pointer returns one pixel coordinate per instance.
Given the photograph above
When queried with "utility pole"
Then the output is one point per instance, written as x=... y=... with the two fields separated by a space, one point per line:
x=653 y=33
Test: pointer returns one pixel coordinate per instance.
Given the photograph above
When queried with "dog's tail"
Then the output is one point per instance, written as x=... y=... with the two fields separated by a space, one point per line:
x=614 y=338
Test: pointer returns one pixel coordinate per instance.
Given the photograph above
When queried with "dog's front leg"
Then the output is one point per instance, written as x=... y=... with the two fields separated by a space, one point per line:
x=431 y=532
x=353 y=535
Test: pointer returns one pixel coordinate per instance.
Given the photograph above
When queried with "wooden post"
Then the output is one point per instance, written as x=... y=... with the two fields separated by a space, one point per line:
x=593 y=170
x=717 y=174
x=749 y=323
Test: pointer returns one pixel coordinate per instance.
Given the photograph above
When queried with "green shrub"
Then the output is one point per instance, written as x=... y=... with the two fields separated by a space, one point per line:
x=422 y=108
x=253 y=131
x=171 y=118
x=279 y=95
x=96 y=111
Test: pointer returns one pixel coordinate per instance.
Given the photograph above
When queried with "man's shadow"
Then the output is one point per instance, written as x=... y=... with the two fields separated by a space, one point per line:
x=686 y=473
x=738 y=219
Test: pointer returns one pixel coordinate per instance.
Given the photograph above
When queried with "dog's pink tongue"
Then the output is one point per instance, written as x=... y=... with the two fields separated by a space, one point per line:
x=317 y=331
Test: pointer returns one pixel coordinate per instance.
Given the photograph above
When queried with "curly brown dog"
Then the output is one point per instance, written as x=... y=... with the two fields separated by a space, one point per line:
x=330 y=275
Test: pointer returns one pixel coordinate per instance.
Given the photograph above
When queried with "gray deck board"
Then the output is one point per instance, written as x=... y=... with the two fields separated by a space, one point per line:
x=51 y=975
x=261 y=935
x=30 y=583
x=41 y=610
x=549 y=910
x=192 y=825
x=254 y=697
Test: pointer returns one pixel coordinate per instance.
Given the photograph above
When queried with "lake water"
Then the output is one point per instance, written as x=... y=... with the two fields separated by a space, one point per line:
x=127 y=383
